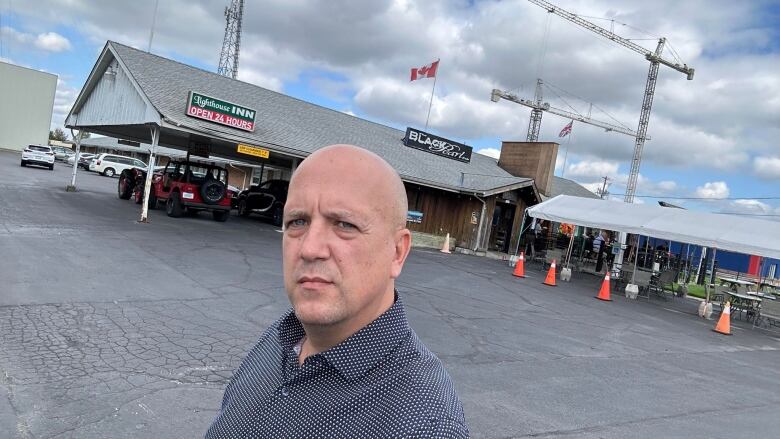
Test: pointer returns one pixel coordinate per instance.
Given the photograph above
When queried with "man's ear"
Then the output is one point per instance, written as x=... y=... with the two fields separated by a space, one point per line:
x=403 y=244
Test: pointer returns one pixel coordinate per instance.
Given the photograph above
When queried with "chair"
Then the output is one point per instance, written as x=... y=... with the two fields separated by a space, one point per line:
x=642 y=280
x=768 y=311
x=658 y=283
x=720 y=295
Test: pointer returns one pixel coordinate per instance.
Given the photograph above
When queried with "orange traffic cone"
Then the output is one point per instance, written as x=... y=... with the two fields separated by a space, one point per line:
x=604 y=291
x=446 y=247
x=724 y=322
x=519 y=267
x=550 y=279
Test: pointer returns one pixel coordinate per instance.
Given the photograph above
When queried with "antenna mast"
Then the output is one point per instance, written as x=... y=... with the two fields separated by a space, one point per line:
x=231 y=44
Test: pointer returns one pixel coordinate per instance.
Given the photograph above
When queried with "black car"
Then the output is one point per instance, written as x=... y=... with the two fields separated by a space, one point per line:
x=266 y=199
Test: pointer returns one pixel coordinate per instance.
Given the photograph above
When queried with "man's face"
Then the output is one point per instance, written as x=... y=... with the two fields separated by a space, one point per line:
x=338 y=245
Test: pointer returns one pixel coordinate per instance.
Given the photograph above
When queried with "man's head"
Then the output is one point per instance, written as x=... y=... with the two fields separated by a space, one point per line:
x=345 y=238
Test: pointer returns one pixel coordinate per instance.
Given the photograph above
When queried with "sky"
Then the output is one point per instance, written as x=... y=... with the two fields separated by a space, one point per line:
x=714 y=140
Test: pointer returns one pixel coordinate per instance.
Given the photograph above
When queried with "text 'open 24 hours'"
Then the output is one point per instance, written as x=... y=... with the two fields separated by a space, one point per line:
x=221 y=112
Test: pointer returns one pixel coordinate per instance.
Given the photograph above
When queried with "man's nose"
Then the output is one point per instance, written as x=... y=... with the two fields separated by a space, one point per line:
x=315 y=242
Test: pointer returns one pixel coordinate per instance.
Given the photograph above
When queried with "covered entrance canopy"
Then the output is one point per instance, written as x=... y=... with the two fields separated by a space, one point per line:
x=736 y=233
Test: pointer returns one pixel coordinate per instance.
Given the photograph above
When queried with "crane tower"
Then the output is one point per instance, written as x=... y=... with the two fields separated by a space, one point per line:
x=231 y=43
x=652 y=76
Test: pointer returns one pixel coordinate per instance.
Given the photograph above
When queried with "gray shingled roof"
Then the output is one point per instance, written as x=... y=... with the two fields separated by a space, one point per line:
x=291 y=125
x=564 y=186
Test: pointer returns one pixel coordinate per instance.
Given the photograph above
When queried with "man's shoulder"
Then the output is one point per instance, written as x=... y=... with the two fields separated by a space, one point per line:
x=426 y=380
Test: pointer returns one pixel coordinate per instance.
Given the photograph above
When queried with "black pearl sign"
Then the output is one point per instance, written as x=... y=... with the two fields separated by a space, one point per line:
x=436 y=145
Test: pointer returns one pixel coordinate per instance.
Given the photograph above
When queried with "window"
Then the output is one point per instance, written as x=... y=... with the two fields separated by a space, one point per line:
x=37 y=148
x=139 y=163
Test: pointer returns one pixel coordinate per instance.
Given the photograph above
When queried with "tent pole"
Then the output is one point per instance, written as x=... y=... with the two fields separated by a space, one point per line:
x=522 y=225
x=571 y=246
x=636 y=258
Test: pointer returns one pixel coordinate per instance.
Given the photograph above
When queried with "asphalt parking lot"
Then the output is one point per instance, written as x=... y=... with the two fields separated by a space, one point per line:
x=114 y=329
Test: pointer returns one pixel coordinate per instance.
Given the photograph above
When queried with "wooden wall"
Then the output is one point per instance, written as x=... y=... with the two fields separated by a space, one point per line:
x=444 y=212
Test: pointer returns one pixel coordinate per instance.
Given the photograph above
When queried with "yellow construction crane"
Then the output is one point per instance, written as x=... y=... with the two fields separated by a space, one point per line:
x=647 y=103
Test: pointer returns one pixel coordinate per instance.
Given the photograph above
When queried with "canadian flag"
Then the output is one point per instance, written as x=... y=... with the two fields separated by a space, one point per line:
x=428 y=71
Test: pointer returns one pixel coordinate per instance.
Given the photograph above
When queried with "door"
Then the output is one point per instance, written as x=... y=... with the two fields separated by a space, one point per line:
x=503 y=217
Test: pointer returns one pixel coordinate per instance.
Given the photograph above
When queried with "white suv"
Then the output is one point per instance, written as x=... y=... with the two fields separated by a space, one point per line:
x=38 y=155
x=111 y=165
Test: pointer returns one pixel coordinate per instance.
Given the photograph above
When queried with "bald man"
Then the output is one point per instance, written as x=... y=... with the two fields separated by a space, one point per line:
x=344 y=361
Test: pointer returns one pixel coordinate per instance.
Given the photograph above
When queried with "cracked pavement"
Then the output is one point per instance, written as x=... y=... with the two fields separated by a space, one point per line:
x=113 y=329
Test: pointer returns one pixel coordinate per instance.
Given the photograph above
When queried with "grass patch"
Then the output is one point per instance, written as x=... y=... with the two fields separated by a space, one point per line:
x=693 y=290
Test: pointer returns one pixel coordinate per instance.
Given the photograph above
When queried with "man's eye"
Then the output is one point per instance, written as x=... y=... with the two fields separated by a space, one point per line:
x=296 y=223
x=345 y=225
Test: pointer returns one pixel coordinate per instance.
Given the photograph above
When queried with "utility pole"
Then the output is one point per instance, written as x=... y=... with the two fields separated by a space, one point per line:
x=603 y=191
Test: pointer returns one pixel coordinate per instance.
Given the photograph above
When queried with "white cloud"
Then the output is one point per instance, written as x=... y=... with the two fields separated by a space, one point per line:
x=64 y=96
x=753 y=206
x=48 y=41
x=713 y=189
x=490 y=152
x=52 y=42
x=767 y=167
x=588 y=168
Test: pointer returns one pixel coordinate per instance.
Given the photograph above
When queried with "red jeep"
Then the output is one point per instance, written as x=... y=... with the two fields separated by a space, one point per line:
x=184 y=186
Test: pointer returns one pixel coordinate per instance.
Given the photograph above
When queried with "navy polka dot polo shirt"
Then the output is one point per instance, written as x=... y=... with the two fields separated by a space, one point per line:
x=381 y=382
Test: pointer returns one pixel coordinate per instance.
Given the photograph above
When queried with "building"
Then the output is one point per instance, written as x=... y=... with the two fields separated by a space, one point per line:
x=241 y=174
x=478 y=200
x=26 y=106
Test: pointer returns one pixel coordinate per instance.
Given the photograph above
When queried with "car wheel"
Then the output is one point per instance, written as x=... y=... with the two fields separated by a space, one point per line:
x=24 y=163
x=173 y=206
x=51 y=167
x=278 y=216
x=242 y=209
x=123 y=188
x=109 y=172
x=220 y=215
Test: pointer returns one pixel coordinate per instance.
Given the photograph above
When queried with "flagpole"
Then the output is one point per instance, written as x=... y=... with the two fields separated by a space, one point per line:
x=566 y=154
x=430 y=104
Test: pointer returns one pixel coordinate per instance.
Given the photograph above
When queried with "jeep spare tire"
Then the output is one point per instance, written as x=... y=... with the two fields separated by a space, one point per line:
x=212 y=191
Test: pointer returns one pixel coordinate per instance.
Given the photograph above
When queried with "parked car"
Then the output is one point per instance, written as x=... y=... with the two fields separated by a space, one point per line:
x=184 y=186
x=266 y=199
x=110 y=164
x=84 y=159
x=38 y=155
x=63 y=154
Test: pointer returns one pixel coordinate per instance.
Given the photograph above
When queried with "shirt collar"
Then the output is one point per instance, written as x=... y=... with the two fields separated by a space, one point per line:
x=362 y=350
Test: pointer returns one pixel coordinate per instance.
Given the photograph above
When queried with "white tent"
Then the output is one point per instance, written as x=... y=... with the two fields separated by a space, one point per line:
x=742 y=234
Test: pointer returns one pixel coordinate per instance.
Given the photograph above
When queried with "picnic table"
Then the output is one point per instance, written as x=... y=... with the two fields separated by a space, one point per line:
x=734 y=283
x=742 y=302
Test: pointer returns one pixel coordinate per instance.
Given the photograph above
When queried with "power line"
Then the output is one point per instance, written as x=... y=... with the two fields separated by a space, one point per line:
x=747 y=214
x=704 y=198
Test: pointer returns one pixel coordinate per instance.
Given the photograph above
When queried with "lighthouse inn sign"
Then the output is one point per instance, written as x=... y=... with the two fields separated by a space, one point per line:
x=437 y=145
x=221 y=112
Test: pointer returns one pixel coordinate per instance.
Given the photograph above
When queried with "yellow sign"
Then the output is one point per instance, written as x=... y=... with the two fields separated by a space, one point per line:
x=253 y=150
